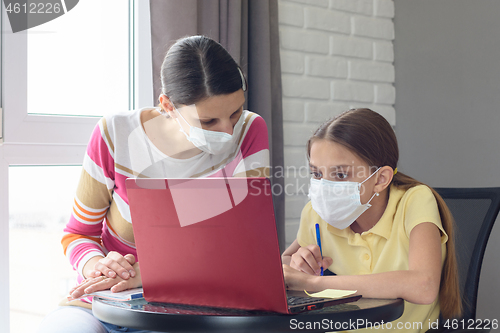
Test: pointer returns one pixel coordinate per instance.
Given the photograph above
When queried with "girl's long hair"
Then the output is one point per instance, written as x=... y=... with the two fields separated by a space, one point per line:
x=369 y=135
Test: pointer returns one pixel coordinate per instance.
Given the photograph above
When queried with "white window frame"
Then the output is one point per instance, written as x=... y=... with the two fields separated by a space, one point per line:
x=29 y=139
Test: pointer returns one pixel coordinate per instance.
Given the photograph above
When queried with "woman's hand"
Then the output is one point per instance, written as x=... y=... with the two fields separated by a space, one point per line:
x=116 y=284
x=114 y=264
x=308 y=260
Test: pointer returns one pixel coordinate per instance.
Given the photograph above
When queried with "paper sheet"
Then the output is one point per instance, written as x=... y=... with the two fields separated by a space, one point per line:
x=332 y=293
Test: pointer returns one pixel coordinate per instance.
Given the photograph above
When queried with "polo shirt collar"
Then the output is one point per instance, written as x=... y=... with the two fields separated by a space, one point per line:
x=384 y=225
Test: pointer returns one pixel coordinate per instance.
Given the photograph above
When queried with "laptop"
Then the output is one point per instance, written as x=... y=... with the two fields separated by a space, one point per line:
x=212 y=242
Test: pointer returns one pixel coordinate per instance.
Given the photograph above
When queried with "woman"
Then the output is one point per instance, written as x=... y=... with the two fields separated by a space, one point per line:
x=383 y=233
x=199 y=129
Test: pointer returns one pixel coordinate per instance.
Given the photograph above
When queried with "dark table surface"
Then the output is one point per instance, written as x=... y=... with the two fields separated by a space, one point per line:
x=181 y=318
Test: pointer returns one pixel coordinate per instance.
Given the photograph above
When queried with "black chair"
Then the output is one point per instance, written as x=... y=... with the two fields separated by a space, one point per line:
x=475 y=211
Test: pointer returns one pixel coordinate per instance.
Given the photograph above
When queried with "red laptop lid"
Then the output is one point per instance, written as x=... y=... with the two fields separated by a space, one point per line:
x=208 y=241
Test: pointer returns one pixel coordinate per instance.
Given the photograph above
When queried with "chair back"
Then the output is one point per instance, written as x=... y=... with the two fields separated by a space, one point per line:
x=474 y=211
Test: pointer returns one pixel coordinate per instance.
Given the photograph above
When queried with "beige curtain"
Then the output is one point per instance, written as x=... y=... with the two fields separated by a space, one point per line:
x=248 y=29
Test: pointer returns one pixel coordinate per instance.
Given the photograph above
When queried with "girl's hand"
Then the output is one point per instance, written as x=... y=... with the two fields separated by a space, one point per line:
x=308 y=260
x=114 y=264
x=296 y=280
x=116 y=284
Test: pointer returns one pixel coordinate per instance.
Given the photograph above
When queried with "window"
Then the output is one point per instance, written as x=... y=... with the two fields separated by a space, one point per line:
x=40 y=202
x=42 y=134
x=76 y=68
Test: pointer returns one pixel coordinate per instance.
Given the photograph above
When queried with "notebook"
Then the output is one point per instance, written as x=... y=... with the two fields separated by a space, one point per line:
x=126 y=295
x=212 y=242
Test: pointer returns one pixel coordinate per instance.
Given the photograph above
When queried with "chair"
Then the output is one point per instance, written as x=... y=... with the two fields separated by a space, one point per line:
x=475 y=211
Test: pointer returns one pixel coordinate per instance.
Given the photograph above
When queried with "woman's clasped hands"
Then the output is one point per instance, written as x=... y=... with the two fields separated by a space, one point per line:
x=114 y=264
x=114 y=272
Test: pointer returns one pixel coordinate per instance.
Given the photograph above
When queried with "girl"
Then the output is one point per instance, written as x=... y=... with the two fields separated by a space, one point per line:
x=199 y=130
x=383 y=233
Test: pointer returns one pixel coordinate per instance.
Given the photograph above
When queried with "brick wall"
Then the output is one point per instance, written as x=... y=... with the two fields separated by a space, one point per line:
x=335 y=55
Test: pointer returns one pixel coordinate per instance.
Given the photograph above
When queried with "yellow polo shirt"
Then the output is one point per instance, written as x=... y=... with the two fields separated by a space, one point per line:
x=383 y=248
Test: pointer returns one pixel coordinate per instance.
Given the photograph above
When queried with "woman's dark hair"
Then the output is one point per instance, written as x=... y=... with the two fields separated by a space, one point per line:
x=368 y=135
x=197 y=67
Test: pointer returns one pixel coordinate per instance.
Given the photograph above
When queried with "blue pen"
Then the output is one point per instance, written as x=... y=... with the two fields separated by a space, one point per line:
x=318 y=240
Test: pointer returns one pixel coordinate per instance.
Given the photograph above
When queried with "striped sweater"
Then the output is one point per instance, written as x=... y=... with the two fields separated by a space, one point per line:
x=118 y=149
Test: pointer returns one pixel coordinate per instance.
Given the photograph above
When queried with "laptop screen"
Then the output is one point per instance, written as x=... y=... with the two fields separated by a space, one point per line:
x=208 y=241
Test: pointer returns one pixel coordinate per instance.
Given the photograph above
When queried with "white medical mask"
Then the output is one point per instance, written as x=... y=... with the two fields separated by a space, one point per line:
x=212 y=142
x=338 y=203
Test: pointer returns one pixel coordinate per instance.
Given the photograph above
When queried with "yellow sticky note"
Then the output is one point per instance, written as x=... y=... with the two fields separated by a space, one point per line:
x=332 y=293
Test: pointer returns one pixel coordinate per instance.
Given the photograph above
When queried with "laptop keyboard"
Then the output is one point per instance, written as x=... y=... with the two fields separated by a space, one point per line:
x=297 y=300
x=185 y=309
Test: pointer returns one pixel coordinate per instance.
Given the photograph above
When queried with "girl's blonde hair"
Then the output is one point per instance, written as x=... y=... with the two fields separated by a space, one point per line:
x=368 y=135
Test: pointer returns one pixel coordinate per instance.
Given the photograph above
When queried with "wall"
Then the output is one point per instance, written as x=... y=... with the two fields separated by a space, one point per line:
x=448 y=81
x=335 y=55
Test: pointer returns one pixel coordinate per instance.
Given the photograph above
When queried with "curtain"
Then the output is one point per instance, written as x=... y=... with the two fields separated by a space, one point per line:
x=248 y=29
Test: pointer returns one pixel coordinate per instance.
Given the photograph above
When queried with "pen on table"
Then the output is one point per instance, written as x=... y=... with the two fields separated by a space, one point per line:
x=318 y=240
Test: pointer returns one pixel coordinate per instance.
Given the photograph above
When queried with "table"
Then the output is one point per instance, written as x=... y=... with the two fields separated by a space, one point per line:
x=180 y=318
